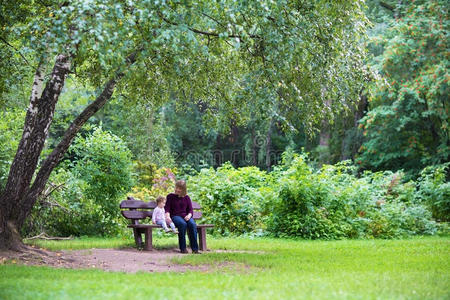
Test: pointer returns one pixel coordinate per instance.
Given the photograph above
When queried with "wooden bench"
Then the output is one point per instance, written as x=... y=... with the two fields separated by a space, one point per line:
x=136 y=210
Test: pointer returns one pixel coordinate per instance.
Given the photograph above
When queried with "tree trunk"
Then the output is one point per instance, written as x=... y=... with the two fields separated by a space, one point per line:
x=269 y=146
x=18 y=197
x=254 y=148
x=324 y=139
x=37 y=123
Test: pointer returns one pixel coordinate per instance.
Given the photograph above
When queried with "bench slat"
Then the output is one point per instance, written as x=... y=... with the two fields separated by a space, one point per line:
x=144 y=226
x=133 y=203
x=137 y=204
x=197 y=215
x=137 y=214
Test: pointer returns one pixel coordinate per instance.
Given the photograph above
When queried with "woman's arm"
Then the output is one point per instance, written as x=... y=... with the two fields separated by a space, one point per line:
x=189 y=209
x=168 y=207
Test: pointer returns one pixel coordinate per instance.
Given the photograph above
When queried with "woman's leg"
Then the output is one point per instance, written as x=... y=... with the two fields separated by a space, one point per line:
x=180 y=223
x=192 y=234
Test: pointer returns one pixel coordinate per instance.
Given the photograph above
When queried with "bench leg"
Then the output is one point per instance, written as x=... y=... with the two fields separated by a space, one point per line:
x=148 y=239
x=202 y=238
x=137 y=237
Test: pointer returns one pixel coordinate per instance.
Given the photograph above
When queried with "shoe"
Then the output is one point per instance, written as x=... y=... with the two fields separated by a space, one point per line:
x=196 y=252
x=167 y=230
x=175 y=231
x=184 y=251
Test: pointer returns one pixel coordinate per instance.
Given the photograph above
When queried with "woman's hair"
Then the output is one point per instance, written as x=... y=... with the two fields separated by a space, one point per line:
x=182 y=185
x=160 y=199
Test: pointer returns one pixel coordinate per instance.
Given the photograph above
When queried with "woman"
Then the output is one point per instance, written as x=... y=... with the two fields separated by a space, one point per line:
x=179 y=211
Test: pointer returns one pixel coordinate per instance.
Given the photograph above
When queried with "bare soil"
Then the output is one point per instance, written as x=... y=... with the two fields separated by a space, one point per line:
x=128 y=260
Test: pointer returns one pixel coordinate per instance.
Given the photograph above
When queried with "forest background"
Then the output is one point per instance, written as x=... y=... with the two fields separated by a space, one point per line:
x=378 y=168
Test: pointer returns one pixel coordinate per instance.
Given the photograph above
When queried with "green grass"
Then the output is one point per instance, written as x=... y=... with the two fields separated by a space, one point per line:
x=83 y=243
x=416 y=268
x=160 y=241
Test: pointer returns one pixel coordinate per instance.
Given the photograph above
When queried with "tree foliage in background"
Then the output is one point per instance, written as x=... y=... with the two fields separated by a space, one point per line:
x=407 y=125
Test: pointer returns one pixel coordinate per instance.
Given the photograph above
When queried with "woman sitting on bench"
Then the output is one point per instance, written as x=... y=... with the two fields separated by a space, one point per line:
x=179 y=210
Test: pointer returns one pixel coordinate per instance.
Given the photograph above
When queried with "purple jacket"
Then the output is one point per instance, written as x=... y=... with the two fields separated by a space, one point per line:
x=178 y=206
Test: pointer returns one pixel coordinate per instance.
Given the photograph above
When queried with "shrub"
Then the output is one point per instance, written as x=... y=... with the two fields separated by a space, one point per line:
x=434 y=190
x=11 y=126
x=236 y=201
x=333 y=203
x=162 y=183
x=87 y=202
x=104 y=163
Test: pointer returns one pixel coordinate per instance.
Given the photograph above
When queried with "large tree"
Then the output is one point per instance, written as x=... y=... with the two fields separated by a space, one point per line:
x=407 y=125
x=235 y=55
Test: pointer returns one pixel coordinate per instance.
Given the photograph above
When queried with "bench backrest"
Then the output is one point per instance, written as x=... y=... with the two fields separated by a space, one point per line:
x=136 y=210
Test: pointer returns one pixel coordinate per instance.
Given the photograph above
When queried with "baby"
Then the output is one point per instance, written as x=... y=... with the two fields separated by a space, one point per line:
x=159 y=217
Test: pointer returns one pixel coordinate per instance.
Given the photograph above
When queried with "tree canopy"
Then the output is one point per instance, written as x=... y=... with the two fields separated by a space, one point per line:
x=407 y=125
x=296 y=61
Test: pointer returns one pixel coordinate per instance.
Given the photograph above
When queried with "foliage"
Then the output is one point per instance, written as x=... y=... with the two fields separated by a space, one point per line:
x=104 y=163
x=334 y=203
x=87 y=202
x=67 y=211
x=407 y=125
x=234 y=200
x=233 y=55
x=434 y=190
x=162 y=183
x=142 y=126
x=11 y=125
x=269 y=53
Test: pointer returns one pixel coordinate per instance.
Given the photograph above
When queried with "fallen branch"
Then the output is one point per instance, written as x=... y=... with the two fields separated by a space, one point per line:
x=44 y=236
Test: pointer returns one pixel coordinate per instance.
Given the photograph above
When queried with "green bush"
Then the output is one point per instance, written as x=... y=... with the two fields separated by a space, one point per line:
x=234 y=200
x=295 y=200
x=434 y=190
x=334 y=203
x=11 y=126
x=90 y=188
x=104 y=164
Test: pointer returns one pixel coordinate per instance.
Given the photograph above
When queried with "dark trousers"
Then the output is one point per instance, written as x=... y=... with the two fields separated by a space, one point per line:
x=191 y=227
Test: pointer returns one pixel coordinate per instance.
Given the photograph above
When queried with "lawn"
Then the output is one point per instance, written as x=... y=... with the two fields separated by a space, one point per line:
x=417 y=268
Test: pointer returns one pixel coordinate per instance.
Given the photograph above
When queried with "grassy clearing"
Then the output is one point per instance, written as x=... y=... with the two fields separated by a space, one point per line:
x=416 y=268
x=83 y=243
x=160 y=241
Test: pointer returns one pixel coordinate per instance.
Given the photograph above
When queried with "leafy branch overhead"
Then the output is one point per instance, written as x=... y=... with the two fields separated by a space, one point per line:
x=294 y=53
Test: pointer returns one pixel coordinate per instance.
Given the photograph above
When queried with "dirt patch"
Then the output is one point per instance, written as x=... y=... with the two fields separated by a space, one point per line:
x=119 y=260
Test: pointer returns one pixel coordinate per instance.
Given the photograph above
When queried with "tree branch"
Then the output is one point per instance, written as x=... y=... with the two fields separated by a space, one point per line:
x=387 y=6
x=53 y=188
x=15 y=49
x=58 y=153
x=45 y=236
x=207 y=33
x=209 y=17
